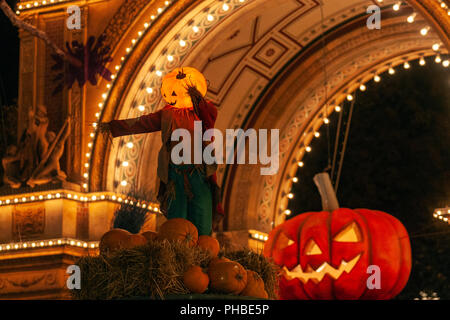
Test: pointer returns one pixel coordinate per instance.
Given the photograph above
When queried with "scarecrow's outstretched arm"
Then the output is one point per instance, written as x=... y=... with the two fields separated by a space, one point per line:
x=147 y=123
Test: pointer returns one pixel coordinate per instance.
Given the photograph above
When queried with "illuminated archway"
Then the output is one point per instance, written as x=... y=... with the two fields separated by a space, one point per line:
x=258 y=56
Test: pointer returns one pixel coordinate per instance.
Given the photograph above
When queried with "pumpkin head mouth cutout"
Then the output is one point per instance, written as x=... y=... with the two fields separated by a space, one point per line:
x=318 y=274
x=175 y=84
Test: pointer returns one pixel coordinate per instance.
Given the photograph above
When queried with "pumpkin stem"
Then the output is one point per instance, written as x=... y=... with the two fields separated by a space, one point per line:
x=327 y=194
x=181 y=75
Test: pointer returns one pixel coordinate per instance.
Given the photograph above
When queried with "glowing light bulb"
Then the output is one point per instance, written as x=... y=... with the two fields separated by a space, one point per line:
x=210 y=17
x=436 y=46
x=225 y=7
x=377 y=78
x=290 y=195
x=300 y=164
x=391 y=71
x=149 y=90
x=396 y=6
x=170 y=58
x=195 y=28
x=362 y=87
x=123 y=183
x=141 y=108
x=412 y=18
x=308 y=149
x=326 y=120
x=349 y=97
x=317 y=134
x=125 y=164
x=182 y=43
x=422 y=61
x=424 y=31
x=446 y=63
x=406 y=65
x=438 y=59
x=130 y=145
x=158 y=73
x=294 y=179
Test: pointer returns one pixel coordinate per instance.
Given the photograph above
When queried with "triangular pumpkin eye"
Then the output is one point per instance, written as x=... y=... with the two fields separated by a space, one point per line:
x=350 y=233
x=312 y=248
x=174 y=94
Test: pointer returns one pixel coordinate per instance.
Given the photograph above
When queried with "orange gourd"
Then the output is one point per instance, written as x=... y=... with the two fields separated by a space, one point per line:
x=179 y=229
x=116 y=239
x=196 y=280
x=255 y=286
x=228 y=277
x=209 y=244
x=149 y=235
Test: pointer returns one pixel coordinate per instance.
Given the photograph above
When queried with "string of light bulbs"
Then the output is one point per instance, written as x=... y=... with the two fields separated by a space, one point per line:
x=362 y=87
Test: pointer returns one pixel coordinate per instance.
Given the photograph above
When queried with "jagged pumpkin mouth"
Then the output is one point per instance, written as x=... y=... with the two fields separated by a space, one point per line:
x=318 y=274
x=173 y=103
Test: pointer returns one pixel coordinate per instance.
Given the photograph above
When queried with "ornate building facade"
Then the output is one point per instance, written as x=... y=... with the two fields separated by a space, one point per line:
x=265 y=61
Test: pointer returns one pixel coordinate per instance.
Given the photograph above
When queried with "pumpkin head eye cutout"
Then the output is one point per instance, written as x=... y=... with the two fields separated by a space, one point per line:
x=312 y=248
x=174 y=94
x=351 y=233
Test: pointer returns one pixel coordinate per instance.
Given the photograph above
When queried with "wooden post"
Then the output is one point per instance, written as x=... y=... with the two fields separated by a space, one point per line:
x=323 y=183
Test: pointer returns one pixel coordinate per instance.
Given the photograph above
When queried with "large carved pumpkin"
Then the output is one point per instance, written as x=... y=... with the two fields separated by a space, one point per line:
x=326 y=255
x=174 y=86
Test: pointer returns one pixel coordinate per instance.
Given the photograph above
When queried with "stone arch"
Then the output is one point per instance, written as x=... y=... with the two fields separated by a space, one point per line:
x=273 y=58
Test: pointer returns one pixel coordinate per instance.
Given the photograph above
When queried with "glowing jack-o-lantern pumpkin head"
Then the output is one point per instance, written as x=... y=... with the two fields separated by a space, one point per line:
x=326 y=255
x=174 y=86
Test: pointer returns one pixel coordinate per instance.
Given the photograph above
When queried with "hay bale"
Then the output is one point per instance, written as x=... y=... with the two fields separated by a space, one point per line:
x=155 y=270
x=258 y=263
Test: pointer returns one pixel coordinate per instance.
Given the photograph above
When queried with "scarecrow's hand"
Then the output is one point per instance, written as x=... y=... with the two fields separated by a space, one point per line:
x=104 y=127
x=194 y=93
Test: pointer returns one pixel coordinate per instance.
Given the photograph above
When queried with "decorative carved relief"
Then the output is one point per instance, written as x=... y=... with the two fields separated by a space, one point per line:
x=28 y=221
x=122 y=20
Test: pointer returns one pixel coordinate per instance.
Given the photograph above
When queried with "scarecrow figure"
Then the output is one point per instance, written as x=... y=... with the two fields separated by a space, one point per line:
x=188 y=191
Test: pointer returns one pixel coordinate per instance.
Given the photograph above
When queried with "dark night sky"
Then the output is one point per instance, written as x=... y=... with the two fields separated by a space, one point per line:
x=9 y=65
x=397 y=161
x=397 y=157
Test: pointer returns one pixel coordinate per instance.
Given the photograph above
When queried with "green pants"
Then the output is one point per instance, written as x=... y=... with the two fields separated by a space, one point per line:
x=193 y=197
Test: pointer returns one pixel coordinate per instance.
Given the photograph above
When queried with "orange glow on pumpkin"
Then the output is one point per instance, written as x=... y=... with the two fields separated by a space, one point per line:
x=174 y=86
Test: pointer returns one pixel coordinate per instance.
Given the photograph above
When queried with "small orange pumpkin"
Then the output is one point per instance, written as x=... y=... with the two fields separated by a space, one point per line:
x=113 y=240
x=196 y=280
x=116 y=239
x=149 y=235
x=135 y=240
x=228 y=277
x=209 y=244
x=255 y=286
x=179 y=229
x=217 y=260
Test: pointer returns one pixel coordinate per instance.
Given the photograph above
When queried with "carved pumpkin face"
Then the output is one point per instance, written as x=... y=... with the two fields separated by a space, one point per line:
x=174 y=86
x=326 y=255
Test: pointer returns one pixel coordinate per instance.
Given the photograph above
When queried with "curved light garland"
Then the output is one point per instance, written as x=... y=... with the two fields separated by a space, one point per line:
x=167 y=61
x=313 y=132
